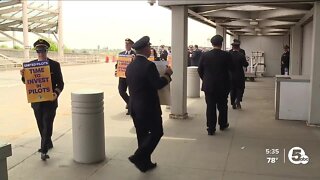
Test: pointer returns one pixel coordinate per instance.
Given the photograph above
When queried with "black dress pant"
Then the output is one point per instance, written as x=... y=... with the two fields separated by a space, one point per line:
x=236 y=94
x=283 y=70
x=149 y=133
x=122 y=87
x=216 y=101
x=45 y=116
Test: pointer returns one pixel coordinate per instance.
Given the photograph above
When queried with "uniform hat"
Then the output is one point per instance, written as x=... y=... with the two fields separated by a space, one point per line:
x=141 y=43
x=216 y=40
x=41 y=44
x=129 y=40
x=235 y=42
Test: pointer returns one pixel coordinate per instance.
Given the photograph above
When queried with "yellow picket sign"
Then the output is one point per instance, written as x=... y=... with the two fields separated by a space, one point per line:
x=122 y=64
x=38 y=81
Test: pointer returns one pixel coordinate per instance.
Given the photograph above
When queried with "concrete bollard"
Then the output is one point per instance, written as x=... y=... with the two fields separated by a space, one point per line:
x=193 y=82
x=88 y=126
x=5 y=151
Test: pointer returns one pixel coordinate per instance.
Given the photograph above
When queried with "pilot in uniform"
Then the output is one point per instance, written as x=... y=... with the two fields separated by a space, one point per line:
x=144 y=82
x=214 y=68
x=122 y=86
x=45 y=112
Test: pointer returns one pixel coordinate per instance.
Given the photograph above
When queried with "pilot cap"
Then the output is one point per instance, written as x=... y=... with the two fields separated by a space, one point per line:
x=41 y=44
x=141 y=43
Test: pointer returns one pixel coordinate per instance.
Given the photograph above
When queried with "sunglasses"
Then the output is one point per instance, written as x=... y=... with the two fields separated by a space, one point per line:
x=41 y=51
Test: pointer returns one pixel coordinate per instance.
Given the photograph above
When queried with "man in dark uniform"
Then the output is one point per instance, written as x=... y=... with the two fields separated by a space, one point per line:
x=213 y=69
x=190 y=51
x=45 y=111
x=163 y=53
x=285 y=60
x=122 y=86
x=237 y=76
x=236 y=41
x=144 y=81
x=195 y=56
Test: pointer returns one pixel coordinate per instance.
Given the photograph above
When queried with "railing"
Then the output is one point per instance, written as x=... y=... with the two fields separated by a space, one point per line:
x=11 y=64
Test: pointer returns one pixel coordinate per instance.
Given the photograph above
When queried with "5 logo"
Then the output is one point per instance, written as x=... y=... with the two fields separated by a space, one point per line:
x=297 y=155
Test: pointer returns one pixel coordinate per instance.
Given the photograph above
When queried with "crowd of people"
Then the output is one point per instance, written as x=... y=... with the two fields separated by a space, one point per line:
x=222 y=73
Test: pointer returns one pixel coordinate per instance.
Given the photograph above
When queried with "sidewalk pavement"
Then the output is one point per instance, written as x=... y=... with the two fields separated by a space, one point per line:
x=185 y=152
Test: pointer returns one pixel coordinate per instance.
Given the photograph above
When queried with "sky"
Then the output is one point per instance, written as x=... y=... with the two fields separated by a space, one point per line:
x=89 y=24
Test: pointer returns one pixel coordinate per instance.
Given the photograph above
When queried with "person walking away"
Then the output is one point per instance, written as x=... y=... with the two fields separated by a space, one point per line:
x=214 y=67
x=144 y=82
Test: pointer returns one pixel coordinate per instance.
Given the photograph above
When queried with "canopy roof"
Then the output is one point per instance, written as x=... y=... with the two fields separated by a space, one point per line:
x=245 y=17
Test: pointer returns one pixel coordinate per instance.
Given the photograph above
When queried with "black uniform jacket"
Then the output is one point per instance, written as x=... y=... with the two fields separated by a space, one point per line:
x=285 y=59
x=239 y=62
x=163 y=55
x=57 y=84
x=213 y=69
x=144 y=81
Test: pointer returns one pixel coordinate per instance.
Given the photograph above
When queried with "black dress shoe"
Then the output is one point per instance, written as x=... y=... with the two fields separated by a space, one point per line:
x=211 y=132
x=142 y=166
x=151 y=166
x=44 y=156
x=49 y=147
x=234 y=106
x=222 y=128
x=238 y=105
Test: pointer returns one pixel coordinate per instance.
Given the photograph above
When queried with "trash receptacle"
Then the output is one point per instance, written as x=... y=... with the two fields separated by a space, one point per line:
x=88 y=126
x=193 y=82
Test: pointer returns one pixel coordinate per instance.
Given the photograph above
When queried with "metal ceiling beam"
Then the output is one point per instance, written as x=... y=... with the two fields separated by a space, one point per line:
x=9 y=3
x=11 y=9
x=11 y=23
x=30 y=30
x=44 y=10
x=237 y=23
x=207 y=9
x=35 y=18
x=280 y=13
x=209 y=22
x=296 y=6
x=270 y=23
x=306 y=18
x=16 y=18
x=230 y=14
x=208 y=2
x=7 y=35
x=49 y=26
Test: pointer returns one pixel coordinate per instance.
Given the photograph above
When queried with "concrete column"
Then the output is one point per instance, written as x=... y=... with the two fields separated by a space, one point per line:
x=60 y=32
x=314 y=115
x=295 y=50
x=179 y=62
x=5 y=151
x=25 y=29
x=222 y=32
